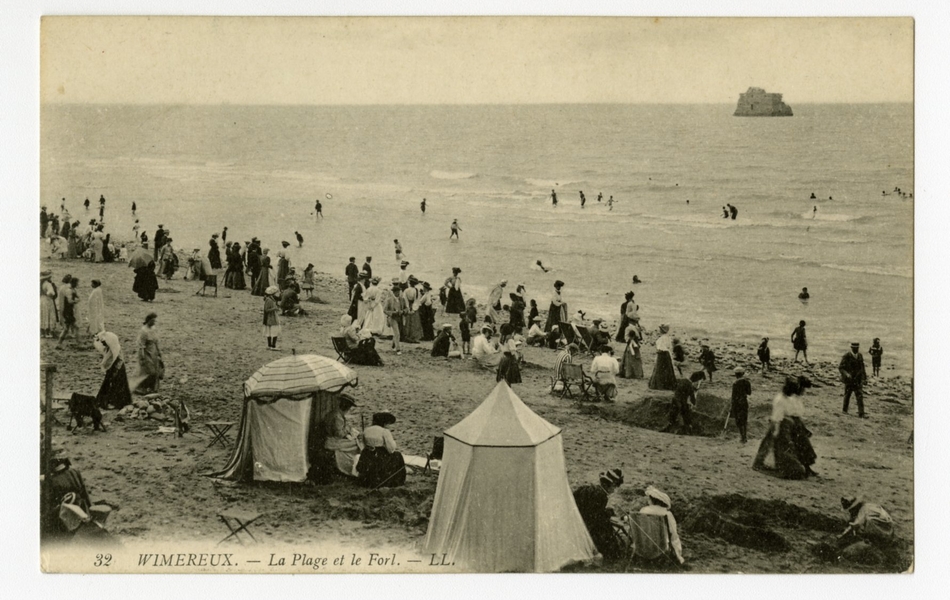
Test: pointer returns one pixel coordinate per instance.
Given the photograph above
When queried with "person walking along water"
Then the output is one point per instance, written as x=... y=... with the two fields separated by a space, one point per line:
x=853 y=376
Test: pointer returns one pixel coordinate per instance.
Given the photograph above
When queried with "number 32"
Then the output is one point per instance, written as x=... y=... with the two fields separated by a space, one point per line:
x=103 y=560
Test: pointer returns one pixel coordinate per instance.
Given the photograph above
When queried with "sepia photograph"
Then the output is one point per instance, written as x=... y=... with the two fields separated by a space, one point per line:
x=440 y=295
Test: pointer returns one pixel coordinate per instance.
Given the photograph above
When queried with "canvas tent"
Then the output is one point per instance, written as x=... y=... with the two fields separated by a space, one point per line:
x=503 y=502
x=281 y=432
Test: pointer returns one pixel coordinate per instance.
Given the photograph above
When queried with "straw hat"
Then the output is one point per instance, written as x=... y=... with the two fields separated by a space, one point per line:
x=446 y=326
x=655 y=494
x=271 y=290
x=664 y=328
x=45 y=275
x=603 y=327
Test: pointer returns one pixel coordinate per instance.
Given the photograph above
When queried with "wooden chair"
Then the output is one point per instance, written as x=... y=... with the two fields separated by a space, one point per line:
x=567 y=332
x=342 y=350
x=572 y=375
x=585 y=339
x=650 y=537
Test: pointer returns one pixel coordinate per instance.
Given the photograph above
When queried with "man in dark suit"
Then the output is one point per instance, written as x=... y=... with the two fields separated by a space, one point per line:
x=352 y=275
x=368 y=268
x=853 y=376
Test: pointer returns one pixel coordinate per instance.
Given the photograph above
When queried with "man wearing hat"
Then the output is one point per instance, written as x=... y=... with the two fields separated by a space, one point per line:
x=443 y=341
x=853 y=376
x=660 y=505
x=403 y=273
x=535 y=333
x=367 y=267
x=591 y=500
x=484 y=350
x=600 y=336
x=741 y=390
x=684 y=394
x=352 y=275
x=159 y=240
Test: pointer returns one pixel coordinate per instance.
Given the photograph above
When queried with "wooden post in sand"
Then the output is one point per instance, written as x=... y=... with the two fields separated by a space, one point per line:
x=48 y=371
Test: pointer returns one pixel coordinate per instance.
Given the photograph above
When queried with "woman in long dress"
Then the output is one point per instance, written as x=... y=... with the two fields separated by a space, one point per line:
x=516 y=309
x=72 y=241
x=380 y=464
x=455 y=303
x=494 y=302
x=375 y=320
x=263 y=279
x=357 y=304
x=413 y=322
x=151 y=366
x=664 y=377
x=283 y=269
x=557 y=311
x=95 y=314
x=624 y=319
x=49 y=314
x=234 y=279
x=69 y=310
x=168 y=258
x=114 y=391
x=342 y=440
x=427 y=312
x=632 y=367
x=214 y=254
x=145 y=282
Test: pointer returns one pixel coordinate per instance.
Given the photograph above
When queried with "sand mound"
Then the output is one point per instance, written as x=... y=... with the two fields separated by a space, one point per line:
x=754 y=523
x=653 y=412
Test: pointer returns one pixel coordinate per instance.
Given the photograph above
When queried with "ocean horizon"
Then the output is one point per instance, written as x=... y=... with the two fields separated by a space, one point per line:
x=259 y=169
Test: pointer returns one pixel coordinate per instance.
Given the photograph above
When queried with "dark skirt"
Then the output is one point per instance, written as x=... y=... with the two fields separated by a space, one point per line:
x=365 y=354
x=787 y=446
x=455 y=304
x=262 y=283
x=632 y=366
x=214 y=257
x=234 y=279
x=145 y=283
x=114 y=391
x=663 y=378
x=69 y=313
x=427 y=316
x=378 y=467
x=554 y=318
x=413 y=330
x=622 y=332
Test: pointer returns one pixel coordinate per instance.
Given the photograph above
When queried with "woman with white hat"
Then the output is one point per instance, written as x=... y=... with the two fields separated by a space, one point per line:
x=494 y=302
x=49 y=315
x=271 y=320
x=663 y=378
x=114 y=391
x=660 y=505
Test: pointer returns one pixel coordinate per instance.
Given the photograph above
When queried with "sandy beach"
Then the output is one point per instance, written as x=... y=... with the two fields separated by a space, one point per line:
x=211 y=345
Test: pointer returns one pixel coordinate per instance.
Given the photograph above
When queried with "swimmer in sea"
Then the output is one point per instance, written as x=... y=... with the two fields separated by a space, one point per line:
x=583 y=199
x=600 y=196
x=553 y=198
x=814 y=212
x=636 y=279
x=422 y=205
x=610 y=203
x=542 y=267
x=299 y=239
x=455 y=229
x=813 y=197
x=804 y=296
x=725 y=213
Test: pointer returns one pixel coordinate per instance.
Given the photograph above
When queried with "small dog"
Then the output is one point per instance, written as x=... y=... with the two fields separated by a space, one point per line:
x=80 y=406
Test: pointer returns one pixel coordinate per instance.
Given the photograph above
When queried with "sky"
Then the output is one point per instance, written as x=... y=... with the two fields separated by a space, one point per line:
x=405 y=60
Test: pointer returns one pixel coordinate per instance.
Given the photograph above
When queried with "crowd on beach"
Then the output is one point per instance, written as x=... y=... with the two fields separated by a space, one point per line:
x=399 y=310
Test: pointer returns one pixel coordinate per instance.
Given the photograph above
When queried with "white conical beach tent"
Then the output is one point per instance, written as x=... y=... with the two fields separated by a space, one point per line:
x=503 y=502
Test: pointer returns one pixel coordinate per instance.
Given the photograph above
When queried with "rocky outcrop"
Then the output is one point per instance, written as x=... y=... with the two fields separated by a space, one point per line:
x=756 y=102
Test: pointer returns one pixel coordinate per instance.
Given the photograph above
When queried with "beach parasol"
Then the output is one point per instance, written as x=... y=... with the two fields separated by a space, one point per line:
x=140 y=258
x=299 y=375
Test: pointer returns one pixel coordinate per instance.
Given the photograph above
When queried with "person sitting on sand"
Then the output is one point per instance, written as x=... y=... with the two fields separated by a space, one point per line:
x=683 y=394
x=765 y=355
x=660 y=505
x=869 y=522
x=342 y=440
x=443 y=341
x=290 y=302
x=484 y=351
x=380 y=465
x=536 y=336
x=603 y=370
x=360 y=342
x=591 y=500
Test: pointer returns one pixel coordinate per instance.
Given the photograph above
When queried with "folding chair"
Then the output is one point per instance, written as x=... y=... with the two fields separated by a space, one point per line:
x=650 y=536
x=573 y=375
x=242 y=520
x=585 y=340
x=209 y=281
x=567 y=331
x=438 y=447
x=342 y=350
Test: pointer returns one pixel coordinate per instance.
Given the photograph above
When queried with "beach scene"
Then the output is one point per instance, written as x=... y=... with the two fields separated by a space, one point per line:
x=726 y=229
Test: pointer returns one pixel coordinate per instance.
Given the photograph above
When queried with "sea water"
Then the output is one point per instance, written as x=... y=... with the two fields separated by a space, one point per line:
x=670 y=168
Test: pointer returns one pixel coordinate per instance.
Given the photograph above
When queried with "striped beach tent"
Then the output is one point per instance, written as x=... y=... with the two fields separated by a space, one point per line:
x=286 y=402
